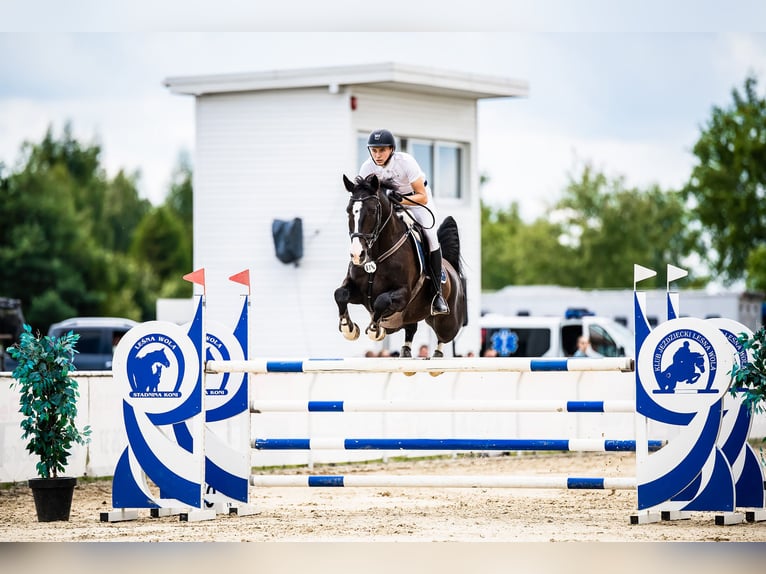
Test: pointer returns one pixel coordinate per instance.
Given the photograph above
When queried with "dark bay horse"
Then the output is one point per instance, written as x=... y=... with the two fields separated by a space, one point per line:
x=386 y=272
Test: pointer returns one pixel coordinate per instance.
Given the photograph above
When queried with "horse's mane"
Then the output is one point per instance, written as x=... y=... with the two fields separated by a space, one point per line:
x=362 y=185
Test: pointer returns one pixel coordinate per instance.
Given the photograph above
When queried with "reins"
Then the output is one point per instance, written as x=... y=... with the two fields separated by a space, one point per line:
x=371 y=238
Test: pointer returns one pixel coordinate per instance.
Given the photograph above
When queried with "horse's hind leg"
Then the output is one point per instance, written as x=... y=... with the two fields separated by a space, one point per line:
x=438 y=352
x=409 y=334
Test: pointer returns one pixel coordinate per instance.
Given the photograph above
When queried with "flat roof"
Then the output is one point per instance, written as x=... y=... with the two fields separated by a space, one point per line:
x=384 y=75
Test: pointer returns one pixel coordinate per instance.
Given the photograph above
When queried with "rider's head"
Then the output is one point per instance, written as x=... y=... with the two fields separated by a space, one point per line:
x=381 y=145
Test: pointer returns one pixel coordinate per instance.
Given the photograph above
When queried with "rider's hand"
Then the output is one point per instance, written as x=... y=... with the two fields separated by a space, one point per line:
x=395 y=196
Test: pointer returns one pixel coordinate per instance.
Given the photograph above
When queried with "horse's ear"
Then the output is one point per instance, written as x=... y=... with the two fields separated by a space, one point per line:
x=348 y=183
x=373 y=180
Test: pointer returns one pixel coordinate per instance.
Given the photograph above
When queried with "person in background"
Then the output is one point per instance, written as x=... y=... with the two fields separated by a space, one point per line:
x=413 y=193
x=423 y=352
x=584 y=349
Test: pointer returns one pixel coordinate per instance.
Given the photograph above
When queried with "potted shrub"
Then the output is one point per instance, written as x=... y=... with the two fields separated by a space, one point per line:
x=751 y=376
x=48 y=402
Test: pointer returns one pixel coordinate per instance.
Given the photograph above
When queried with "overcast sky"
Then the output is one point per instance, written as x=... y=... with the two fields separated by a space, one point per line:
x=625 y=86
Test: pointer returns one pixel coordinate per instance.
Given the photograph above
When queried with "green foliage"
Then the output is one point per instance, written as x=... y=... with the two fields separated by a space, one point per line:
x=751 y=376
x=162 y=241
x=756 y=269
x=66 y=232
x=727 y=186
x=591 y=238
x=48 y=398
x=610 y=227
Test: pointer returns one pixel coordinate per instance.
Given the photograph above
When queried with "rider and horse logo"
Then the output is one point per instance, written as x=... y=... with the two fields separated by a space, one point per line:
x=684 y=357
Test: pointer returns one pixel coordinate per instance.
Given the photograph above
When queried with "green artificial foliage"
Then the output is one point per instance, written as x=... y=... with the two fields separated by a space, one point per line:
x=48 y=398
x=751 y=377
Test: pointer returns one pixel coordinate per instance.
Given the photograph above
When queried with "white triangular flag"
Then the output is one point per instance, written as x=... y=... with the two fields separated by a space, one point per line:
x=640 y=273
x=675 y=273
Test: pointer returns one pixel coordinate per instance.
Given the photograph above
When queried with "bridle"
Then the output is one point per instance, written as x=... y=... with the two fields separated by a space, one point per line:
x=371 y=238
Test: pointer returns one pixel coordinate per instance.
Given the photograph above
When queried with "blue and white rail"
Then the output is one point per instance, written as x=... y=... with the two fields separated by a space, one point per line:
x=473 y=444
x=393 y=365
x=442 y=406
x=445 y=481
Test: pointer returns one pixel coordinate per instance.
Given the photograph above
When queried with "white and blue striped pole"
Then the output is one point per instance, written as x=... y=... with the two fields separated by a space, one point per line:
x=392 y=365
x=441 y=406
x=476 y=444
x=448 y=481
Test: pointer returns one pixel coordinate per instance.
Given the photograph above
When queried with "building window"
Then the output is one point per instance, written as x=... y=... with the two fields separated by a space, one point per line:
x=449 y=175
x=442 y=162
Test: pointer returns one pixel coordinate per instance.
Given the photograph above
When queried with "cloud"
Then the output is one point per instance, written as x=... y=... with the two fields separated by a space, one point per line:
x=135 y=134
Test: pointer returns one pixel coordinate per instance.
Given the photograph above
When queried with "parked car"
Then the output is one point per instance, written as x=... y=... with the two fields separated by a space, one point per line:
x=11 y=322
x=98 y=338
x=552 y=336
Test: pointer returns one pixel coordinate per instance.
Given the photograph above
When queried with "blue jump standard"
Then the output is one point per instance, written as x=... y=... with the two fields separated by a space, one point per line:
x=447 y=444
x=571 y=406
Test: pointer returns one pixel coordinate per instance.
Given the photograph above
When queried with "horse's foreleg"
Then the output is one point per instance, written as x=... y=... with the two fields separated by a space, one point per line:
x=385 y=304
x=346 y=326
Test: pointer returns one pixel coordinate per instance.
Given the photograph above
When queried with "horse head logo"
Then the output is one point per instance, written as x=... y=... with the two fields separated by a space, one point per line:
x=148 y=373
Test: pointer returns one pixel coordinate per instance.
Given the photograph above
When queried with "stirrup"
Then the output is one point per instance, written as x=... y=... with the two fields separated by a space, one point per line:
x=439 y=305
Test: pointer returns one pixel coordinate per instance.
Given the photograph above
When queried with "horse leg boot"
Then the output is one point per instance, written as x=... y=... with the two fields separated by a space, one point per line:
x=438 y=305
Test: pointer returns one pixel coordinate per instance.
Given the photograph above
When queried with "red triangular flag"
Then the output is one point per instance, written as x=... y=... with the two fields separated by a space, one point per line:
x=243 y=277
x=197 y=276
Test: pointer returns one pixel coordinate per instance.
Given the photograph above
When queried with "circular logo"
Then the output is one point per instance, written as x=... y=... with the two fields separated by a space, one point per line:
x=732 y=330
x=505 y=342
x=684 y=365
x=221 y=345
x=156 y=365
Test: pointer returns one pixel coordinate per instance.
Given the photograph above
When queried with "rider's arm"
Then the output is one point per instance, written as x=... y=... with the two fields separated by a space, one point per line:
x=419 y=188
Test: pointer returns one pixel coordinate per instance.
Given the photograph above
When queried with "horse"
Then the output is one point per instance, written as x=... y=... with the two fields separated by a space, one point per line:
x=687 y=367
x=387 y=275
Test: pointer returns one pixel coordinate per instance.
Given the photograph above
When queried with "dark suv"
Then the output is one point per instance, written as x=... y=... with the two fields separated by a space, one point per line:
x=11 y=323
x=98 y=337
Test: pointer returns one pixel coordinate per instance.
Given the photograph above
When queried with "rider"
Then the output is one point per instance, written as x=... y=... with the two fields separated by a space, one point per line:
x=413 y=193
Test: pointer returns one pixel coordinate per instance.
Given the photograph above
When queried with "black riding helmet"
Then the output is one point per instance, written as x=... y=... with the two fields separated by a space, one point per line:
x=381 y=138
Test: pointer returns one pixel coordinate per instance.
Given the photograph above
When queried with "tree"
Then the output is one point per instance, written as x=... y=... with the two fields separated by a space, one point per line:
x=161 y=241
x=727 y=187
x=515 y=253
x=590 y=239
x=610 y=227
x=64 y=231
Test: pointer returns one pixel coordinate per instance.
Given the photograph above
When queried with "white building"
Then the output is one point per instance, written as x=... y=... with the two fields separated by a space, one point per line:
x=274 y=145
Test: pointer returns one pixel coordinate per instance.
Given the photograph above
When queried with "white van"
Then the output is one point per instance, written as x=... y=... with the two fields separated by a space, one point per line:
x=551 y=336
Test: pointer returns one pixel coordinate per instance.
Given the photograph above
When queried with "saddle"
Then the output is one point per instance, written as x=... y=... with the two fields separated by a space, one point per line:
x=417 y=237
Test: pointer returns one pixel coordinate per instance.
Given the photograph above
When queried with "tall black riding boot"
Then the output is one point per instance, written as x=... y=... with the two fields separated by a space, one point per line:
x=438 y=305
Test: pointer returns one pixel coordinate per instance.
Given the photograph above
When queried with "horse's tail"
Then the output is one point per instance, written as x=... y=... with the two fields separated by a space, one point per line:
x=449 y=238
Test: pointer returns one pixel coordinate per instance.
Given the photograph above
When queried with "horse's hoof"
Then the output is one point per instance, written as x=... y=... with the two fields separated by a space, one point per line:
x=438 y=354
x=376 y=334
x=352 y=334
x=405 y=353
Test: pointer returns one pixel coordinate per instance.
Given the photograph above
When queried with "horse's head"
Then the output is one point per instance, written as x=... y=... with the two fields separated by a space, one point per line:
x=367 y=208
x=158 y=357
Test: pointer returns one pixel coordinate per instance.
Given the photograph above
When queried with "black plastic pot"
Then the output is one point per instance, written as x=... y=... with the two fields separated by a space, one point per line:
x=53 y=497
